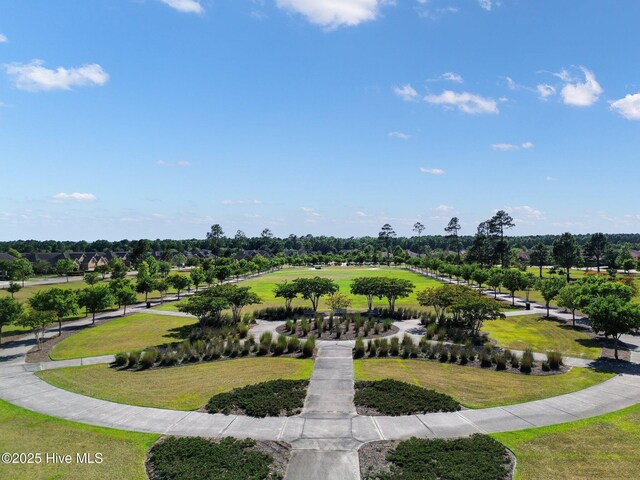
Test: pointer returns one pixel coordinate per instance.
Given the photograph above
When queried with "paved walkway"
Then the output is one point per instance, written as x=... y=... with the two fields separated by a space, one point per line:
x=327 y=434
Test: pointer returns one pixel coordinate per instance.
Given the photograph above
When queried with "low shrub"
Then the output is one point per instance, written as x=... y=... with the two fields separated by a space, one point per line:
x=394 y=349
x=485 y=359
x=478 y=457
x=391 y=397
x=148 y=358
x=545 y=367
x=308 y=347
x=293 y=345
x=190 y=458
x=121 y=359
x=274 y=398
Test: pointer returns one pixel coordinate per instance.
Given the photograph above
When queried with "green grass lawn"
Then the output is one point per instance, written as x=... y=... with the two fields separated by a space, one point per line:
x=123 y=334
x=22 y=431
x=182 y=388
x=264 y=285
x=474 y=387
x=604 y=447
x=541 y=335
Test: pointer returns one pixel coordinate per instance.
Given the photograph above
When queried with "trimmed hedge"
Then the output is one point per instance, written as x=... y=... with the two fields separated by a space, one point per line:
x=272 y=399
x=199 y=459
x=478 y=457
x=391 y=397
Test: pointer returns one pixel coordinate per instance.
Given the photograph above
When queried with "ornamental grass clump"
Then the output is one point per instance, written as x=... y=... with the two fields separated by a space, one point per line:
x=280 y=345
x=394 y=349
x=293 y=345
x=383 y=348
x=554 y=359
x=134 y=358
x=308 y=347
x=526 y=363
x=359 y=349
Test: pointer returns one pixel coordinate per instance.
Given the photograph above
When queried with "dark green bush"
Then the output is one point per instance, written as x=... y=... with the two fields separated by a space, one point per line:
x=391 y=397
x=263 y=399
x=478 y=457
x=184 y=458
x=121 y=359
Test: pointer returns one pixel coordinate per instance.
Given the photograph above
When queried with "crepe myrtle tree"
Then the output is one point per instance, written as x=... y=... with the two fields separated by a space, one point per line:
x=207 y=306
x=512 y=281
x=36 y=321
x=614 y=317
x=237 y=297
x=370 y=287
x=179 y=282
x=286 y=290
x=315 y=288
x=395 y=288
x=65 y=267
x=10 y=311
x=13 y=288
x=125 y=295
x=96 y=299
x=550 y=288
x=566 y=253
x=61 y=301
x=495 y=280
x=539 y=256
x=21 y=270
x=198 y=277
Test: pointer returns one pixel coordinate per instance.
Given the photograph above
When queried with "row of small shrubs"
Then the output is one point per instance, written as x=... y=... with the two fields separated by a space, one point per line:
x=337 y=326
x=391 y=397
x=487 y=357
x=449 y=331
x=214 y=349
x=273 y=398
x=278 y=313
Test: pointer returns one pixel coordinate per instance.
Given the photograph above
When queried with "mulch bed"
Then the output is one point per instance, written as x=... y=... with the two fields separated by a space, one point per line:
x=35 y=356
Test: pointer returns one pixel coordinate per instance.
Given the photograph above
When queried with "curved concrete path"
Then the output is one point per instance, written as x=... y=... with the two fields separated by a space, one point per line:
x=327 y=434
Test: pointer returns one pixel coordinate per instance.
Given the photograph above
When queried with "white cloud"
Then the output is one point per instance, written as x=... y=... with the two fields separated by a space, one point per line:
x=361 y=214
x=580 y=94
x=525 y=210
x=242 y=202
x=73 y=197
x=186 y=6
x=628 y=107
x=507 y=147
x=504 y=147
x=400 y=135
x=332 y=14
x=545 y=90
x=444 y=208
x=181 y=163
x=549 y=178
x=3 y=38
x=432 y=171
x=406 y=92
x=465 y=102
x=486 y=5
x=452 y=77
x=34 y=77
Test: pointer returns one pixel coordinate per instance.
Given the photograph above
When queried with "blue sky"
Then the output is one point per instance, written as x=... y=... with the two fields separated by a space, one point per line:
x=157 y=118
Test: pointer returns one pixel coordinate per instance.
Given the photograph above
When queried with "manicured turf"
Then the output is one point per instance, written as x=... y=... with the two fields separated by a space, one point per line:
x=541 y=335
x=22 y=431
x=263 y=286
x=181 y=388
x=474 y=387
x=604 y=447
x=123 y=334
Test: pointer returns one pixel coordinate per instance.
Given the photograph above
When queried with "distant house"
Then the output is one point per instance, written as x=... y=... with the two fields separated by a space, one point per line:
x=88 y=261
x=248 y=254
x=412 y=254
x=50 y=258
x=524 y=257
x=7 y=258
x=124 y=256
x=635 y=254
